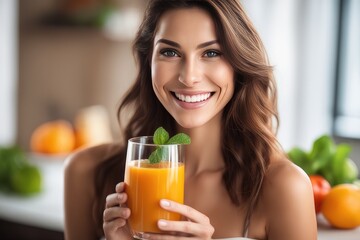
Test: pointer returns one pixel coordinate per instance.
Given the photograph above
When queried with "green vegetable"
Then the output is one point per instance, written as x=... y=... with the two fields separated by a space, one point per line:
x=26 y=180
x=328 y=160
x=161 y=137
x=11 y=158
x=17 y=175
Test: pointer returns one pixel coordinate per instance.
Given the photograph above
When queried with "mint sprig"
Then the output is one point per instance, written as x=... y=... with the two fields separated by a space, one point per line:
x=161 y=137
x=180 y=138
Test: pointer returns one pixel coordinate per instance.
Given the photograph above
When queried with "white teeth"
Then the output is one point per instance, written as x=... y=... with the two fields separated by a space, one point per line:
x=193 y=98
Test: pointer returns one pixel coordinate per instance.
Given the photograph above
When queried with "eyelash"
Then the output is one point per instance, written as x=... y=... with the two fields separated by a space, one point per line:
x=165 y=52
x=216 y=53
x=172 y=53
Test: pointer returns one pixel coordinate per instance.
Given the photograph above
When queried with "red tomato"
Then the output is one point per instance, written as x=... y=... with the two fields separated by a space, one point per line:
x=321 y=188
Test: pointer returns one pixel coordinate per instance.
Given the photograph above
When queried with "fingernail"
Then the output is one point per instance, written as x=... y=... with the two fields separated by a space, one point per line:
x=120 y=196
x=126 y=213
x=162 y=223
x=164 y=203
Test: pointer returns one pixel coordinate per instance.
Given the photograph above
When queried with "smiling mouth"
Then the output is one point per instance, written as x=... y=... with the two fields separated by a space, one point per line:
x=192 y=98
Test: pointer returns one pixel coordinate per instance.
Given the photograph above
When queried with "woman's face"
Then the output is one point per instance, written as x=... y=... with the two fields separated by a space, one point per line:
x=190 y=75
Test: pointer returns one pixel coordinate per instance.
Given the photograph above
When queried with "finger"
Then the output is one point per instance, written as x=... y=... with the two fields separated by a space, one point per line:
x=113 y=226
x=111 y=214
x=112 y=200
x=120 y=187
x=115 y=199
x=184 y=210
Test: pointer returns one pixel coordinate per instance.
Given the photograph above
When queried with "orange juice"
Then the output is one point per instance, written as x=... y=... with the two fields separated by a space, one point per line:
x=146 y=184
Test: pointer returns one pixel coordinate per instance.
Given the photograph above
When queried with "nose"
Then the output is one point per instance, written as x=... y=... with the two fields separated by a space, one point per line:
x=190 y=72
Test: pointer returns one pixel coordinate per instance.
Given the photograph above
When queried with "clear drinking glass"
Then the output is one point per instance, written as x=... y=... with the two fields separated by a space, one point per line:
x=147 y=183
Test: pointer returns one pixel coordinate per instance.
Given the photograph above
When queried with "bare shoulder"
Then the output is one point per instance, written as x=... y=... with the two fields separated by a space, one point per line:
x=79 y=190
x=85 y=160
x=289 y=202
x=284 y=176
x=285 y=183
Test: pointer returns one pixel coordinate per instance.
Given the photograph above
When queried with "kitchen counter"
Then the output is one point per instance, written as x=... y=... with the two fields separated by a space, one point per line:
x=46 y=210
x=326 y=232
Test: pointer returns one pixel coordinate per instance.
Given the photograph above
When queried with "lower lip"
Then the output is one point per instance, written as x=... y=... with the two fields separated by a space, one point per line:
x=194 y=105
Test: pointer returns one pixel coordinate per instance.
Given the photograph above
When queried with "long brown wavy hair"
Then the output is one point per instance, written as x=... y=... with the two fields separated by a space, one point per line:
x=250 y=119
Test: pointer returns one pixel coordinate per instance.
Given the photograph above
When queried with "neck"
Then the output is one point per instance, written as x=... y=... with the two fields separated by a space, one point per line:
x=204 y=153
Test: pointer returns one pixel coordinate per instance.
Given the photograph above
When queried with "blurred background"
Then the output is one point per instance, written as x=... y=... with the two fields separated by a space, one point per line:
x=61 y=57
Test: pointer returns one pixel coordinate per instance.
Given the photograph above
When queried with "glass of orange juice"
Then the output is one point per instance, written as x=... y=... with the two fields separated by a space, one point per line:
x=147 y=183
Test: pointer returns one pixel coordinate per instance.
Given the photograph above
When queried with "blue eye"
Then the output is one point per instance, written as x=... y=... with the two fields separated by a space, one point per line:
x=169 y=53
x=212 y=53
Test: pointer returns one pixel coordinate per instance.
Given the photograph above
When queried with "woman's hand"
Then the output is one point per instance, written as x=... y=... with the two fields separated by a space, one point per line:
x=197 y=225
x=116 y=214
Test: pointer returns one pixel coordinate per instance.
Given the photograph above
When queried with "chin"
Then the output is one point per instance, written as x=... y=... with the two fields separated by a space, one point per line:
x=189 y=123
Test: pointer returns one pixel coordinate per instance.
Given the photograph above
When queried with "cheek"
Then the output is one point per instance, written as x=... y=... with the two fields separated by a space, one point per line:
x=223 y=75
x=161 y=74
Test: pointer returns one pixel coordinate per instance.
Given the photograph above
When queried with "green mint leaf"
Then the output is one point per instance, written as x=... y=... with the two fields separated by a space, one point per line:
x=180 y=138
x=155 y=157
x=161 y=136
x=164 y=153
x=158 y=155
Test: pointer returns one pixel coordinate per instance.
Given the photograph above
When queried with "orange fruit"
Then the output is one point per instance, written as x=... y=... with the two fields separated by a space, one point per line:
x=341 y=206
x=54 y=137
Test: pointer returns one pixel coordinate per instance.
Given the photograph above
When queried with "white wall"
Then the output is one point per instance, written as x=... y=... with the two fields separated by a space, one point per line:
x=299 y=36
x=8 y=71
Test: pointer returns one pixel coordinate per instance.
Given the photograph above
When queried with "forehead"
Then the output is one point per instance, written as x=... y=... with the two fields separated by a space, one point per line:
x=186 y=24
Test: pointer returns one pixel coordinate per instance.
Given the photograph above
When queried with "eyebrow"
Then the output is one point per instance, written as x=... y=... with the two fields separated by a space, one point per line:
x=175 y=44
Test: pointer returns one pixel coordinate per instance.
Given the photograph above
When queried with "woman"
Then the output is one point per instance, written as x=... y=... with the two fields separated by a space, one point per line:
x=202 y=70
